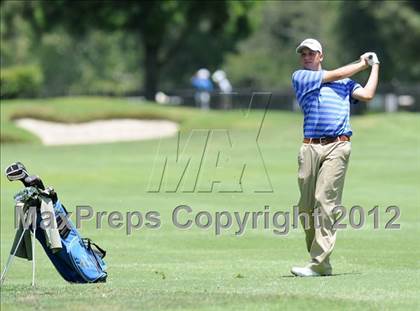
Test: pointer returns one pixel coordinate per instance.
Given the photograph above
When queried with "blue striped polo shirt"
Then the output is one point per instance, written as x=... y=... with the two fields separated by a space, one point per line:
x=326 y=106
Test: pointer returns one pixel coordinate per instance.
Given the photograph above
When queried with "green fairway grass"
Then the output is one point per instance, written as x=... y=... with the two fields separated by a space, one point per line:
x=173 y=269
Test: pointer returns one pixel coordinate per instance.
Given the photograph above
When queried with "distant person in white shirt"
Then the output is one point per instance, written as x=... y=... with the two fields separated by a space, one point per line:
x=219 y=77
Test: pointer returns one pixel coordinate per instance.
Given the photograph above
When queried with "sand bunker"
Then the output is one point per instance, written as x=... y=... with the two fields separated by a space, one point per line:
x=103 y=131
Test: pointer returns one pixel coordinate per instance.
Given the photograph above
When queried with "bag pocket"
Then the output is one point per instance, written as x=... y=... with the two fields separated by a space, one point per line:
x=86 y=262
x=97 y=252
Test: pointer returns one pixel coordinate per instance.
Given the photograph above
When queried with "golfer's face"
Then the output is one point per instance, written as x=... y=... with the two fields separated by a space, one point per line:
x=310 y=59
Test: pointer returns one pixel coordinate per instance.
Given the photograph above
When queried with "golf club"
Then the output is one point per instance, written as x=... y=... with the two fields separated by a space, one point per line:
x=17 y=171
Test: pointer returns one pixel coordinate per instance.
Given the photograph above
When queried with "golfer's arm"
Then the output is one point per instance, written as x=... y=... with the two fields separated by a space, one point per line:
x=343 y=72
x=368 y=92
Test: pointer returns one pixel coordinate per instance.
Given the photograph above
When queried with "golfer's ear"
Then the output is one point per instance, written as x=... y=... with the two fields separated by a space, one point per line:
x=321 y=56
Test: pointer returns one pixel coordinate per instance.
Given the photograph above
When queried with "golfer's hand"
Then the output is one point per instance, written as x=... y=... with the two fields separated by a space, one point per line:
x=364 y=58
x=372 y=58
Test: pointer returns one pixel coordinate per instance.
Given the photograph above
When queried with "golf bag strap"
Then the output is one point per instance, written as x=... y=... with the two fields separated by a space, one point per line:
x=90 y=243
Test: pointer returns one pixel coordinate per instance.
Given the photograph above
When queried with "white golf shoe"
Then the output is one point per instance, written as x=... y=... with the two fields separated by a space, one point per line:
x=304 y=271
x=307 y=271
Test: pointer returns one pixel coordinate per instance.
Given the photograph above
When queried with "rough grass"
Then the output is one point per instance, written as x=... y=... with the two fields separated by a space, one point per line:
x=172 y=269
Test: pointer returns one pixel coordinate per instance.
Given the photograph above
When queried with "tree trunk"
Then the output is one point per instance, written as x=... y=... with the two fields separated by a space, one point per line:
x=152 y=69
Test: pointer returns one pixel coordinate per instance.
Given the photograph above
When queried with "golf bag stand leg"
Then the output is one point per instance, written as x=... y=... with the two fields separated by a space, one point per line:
x=11 y=256
x=33 y=255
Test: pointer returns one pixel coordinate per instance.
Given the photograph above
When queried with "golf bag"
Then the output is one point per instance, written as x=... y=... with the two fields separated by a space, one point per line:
x=77 y=259
x=80 y=260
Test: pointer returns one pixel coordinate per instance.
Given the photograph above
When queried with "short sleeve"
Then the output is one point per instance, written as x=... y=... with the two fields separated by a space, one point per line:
x=352 y=86
x=306 y=81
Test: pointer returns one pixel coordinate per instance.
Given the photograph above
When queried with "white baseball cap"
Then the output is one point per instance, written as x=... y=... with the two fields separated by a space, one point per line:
x=311 y=44
x=203 y=73
x=219 y=75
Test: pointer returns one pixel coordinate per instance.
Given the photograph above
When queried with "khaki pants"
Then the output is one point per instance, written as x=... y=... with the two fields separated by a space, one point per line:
x=322 y=169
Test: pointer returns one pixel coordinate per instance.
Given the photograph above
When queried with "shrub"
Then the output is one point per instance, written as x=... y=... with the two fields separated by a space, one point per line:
x=21 y=81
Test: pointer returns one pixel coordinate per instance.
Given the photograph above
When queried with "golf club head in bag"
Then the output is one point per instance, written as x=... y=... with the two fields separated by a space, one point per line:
x=17 y=171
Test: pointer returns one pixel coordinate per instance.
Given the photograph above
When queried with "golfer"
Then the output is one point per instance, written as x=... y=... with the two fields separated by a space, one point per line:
x=325 y=97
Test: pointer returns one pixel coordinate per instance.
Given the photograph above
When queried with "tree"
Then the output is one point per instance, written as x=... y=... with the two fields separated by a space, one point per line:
x=164 y=27
x=267 y=59
x=98 y=62
x=390 y=28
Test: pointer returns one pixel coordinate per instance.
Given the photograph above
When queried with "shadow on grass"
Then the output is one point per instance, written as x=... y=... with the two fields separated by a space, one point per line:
x=322 y=276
